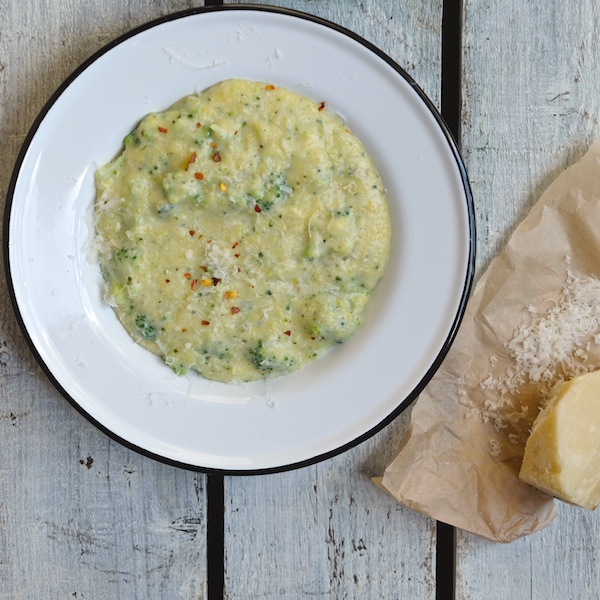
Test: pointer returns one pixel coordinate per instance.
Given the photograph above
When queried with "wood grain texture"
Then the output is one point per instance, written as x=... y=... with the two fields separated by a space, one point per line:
x=530 y=108
x=326 y=531
x=80 y=515
x=530 y=104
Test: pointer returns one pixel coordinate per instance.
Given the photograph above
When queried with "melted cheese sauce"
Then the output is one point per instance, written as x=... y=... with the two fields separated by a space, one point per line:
x=241 y=232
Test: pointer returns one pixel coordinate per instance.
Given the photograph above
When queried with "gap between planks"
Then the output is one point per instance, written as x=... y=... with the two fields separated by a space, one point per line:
x=445 y=571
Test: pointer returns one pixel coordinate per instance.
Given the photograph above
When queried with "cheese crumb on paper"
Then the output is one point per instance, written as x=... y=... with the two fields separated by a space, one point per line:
x=550 y=347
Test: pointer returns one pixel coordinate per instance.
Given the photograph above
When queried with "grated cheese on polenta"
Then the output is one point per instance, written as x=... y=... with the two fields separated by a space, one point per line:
x=241 y=231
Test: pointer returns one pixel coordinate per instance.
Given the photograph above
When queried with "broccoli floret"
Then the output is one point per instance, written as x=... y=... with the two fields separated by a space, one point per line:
x=146 y=328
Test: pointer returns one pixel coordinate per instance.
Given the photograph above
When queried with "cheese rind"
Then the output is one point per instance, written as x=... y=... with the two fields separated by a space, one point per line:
x=562 y=454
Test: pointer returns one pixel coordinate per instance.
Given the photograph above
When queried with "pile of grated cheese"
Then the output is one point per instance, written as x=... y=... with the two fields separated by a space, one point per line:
x=553 y=345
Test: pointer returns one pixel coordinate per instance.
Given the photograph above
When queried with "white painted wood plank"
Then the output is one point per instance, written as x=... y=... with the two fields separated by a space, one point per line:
x=80 y=515
x=531 y=107
x=325 y=530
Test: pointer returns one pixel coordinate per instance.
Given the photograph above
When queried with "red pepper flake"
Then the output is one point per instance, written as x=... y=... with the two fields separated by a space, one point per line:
x=205 y=269
x=239 y=270
x=217 y=156
x=215 y=280
x=183 y=330
x=269 y=87
x=235 y=245
x=213 y=145
x=192 y=232
x=257 y=208
x=167 y=281
x=187 y=275
x=313 y=338
x=194 y=284
x=198 y=125
x=235 y=310
x=162 y=129
x=288 y=332
x=205 y=322
x=235 y=132
x=199 y=176
x=237 y=255
x=322 y=106
x=192 y=159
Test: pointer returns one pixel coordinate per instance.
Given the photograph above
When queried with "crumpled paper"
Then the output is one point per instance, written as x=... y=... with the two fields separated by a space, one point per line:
x=460 y=457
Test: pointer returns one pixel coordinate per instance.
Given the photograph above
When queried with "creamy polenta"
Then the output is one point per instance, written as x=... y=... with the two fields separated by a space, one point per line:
x=241 y=231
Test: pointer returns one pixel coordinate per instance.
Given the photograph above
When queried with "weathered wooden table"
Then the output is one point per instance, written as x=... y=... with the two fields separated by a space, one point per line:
x=83 y=517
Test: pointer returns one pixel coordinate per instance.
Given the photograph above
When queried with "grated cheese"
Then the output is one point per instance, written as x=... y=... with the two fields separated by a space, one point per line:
x=553 y=345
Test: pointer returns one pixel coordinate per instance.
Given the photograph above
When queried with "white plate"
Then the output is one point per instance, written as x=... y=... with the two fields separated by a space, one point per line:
x=329 y=405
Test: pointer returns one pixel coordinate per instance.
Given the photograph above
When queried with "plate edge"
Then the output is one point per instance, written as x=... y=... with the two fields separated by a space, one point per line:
x=470 y=266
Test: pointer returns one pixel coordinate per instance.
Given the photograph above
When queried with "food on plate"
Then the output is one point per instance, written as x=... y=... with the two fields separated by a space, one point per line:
x=241 y=232
x=562 y=454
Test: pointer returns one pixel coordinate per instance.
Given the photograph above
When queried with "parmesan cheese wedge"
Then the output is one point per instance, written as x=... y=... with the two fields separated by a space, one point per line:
x=562 y=453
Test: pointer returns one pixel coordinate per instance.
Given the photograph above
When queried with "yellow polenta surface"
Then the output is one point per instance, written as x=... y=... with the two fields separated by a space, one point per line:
x=241 y=231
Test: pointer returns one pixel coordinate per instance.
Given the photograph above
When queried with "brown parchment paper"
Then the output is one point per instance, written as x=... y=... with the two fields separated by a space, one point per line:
x=460 y=457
